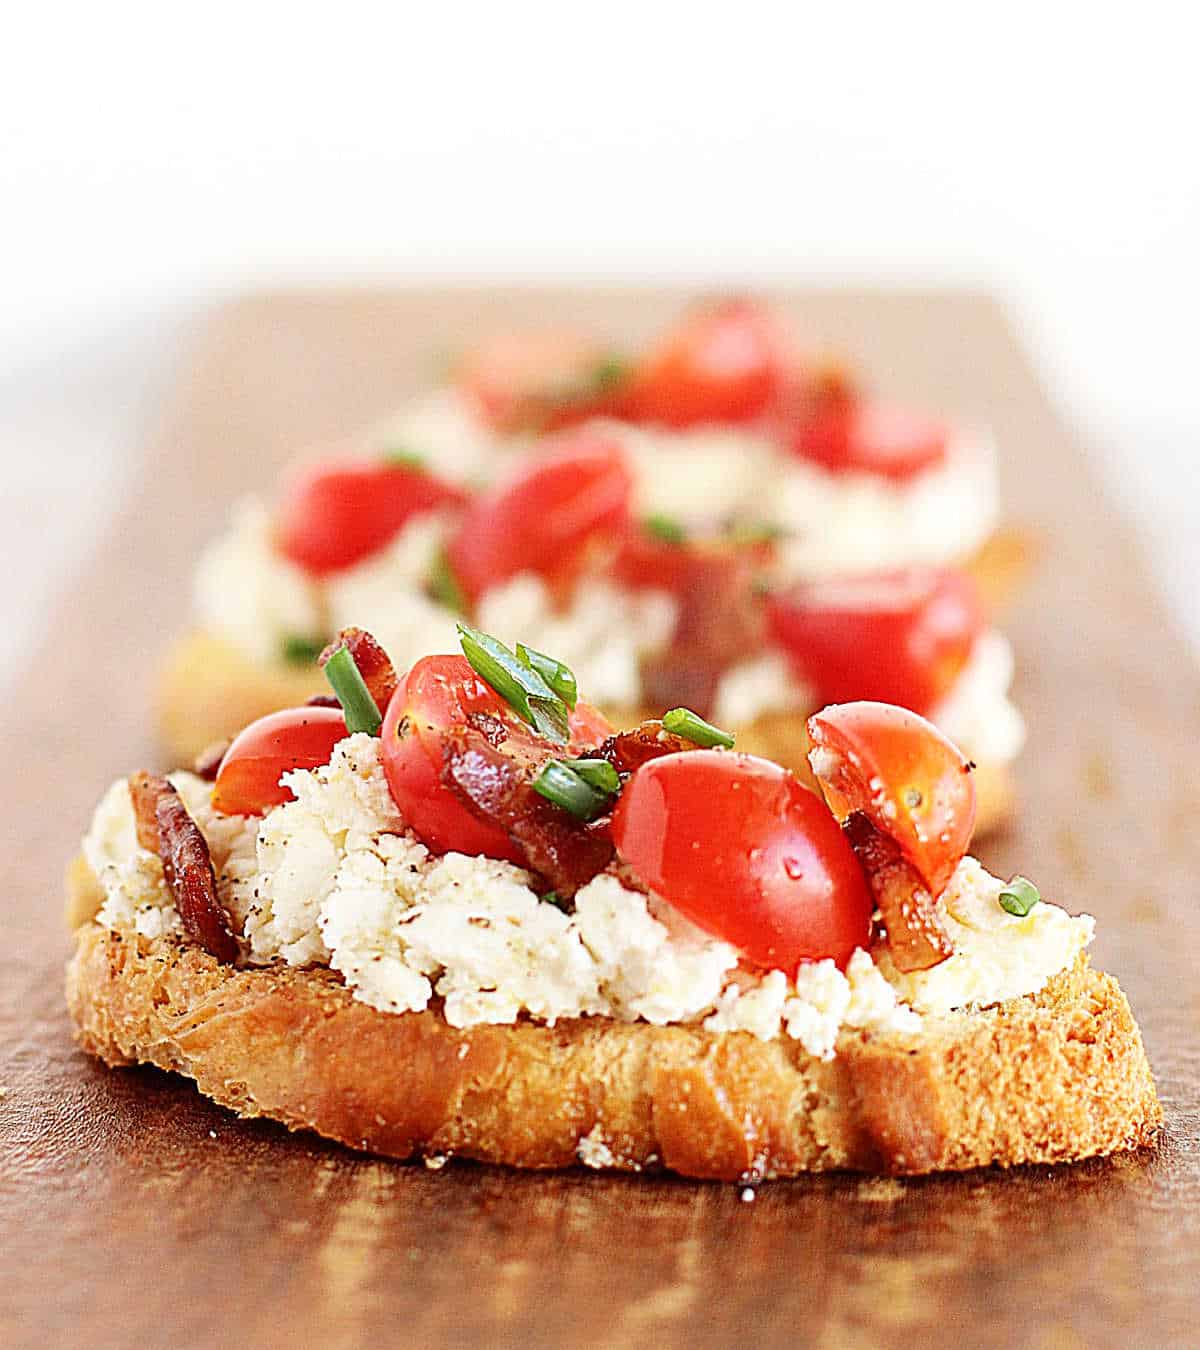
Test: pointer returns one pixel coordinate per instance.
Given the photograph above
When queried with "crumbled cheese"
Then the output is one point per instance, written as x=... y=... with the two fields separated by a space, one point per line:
x=334 y=877
x=443 y=428
x=977 y=713
x=249 y=593
x=601 y=634
x=997 y=955
x=340 y=808
x=764 y=684
x=860 y=522
x=814 y=1010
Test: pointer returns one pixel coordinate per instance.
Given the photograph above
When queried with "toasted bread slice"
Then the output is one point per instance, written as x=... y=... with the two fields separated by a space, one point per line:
x=208 y=691
x=1045 y=1079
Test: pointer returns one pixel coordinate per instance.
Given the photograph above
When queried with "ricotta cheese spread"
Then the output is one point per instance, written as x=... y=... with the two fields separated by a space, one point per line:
x=335 y=878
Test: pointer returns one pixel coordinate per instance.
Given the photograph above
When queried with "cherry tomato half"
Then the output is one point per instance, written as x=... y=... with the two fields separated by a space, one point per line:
x=540 y=381
x=721 y=364
x=853 y=437
x=541 y=520
x=912 y=783
x=896 y=637
x=438 y=695
x=247 y=780
x=335 y=514
x=747 y=853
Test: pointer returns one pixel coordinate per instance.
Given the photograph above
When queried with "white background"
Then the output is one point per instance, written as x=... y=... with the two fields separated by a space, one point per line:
x=154 y=159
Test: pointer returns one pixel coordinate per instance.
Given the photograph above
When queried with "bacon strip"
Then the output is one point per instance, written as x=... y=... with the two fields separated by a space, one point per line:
x=372 y=661
x=915 y=936
x=720 y=620
x=629 y=750
x=498 y=789
x=164 y=827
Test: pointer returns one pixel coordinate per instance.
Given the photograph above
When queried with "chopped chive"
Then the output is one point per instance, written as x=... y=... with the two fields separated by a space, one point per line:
x=558 y=901
x=1019 y=896
x=526 y=692
x=664 y=528
x=360 y=709
x=560 y=784
x=610 y=370
x=401 y=458
x=692 y=727
x=444 y=586
x=597 y=773
x=748 y=532
x=560 y=678
x=298 y=650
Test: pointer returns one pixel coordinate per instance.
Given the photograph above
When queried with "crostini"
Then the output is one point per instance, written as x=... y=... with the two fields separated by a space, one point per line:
x=454 y=912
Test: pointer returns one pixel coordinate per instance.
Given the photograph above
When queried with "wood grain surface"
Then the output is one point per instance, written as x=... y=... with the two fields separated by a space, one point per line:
x=132 y=1212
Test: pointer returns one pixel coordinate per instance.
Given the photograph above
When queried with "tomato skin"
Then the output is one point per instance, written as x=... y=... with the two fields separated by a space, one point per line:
x=892 y=637
x=747 y=853
x=720 y=364
x=539 y=381
x=437 y=696
x=247 y=782
x=912 y=783
x=874 y=438
x=541 y=520
x=336 y=513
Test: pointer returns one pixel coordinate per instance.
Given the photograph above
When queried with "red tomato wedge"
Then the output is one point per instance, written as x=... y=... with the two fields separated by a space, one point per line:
x=748 y=854
x=247 y=782
x=912 y=783
x=540 y=381
x=720 y=364
x=438 y=695
x=895 y=637
x=870 y=438
x=541 y=520
x=334 y=514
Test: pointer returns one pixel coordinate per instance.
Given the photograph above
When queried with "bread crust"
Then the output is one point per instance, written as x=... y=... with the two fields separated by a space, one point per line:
x=1044 y=1079
x=208 y=691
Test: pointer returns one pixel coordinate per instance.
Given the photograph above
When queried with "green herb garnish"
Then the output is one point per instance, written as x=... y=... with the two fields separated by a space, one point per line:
x=520 y=685
x=1019 y=896
x=610 y=370
x=360 y=709
x=401 y=458
x=560 y=678
x=298 y=650
x=597 y=773
x=444 y=586
x=562 y=785
x=692 y=727
x=746 y=533
x=664 y=528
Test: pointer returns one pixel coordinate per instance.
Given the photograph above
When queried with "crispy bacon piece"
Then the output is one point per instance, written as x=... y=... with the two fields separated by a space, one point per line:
x=629 y=750
x=915 y=936
x=372 y=661
x=499 y=789
x=720 y=620
x=164 y=826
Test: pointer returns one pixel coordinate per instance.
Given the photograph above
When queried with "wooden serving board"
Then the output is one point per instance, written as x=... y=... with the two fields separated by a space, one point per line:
x=132 y=1212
